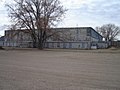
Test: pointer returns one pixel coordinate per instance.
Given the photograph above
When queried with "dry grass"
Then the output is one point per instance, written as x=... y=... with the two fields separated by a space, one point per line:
x=59 y=69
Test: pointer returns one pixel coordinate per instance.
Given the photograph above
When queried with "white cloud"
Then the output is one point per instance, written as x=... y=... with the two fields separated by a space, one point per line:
x=92 y=12
x=73 y=4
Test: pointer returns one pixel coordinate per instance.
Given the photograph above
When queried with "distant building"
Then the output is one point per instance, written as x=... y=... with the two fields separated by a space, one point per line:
x=77 y=37
x=2 y=41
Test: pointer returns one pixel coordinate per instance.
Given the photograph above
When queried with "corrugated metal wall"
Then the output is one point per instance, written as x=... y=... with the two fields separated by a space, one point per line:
x=1 y=43
x=68 y=45
x=65 y=45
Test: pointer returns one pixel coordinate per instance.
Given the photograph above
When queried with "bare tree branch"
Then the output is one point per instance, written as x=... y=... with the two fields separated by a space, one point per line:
x=37 y=17
x=109 y=31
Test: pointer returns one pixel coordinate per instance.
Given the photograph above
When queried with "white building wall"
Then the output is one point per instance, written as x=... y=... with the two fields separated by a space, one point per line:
x=77 y=45
x=1 y=43
x=72 y=38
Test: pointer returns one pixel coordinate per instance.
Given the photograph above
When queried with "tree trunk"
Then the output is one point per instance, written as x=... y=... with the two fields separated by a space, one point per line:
x=34 y=44
x=40 y=44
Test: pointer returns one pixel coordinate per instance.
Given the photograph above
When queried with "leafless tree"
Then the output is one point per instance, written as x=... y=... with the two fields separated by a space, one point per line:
x=37 y=17
x=109 y=31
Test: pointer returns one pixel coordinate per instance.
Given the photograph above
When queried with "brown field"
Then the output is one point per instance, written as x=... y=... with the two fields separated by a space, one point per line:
x=58 y=69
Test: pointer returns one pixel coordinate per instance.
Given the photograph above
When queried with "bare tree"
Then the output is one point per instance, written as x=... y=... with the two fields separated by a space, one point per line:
x=37 y=17
x=109 y=31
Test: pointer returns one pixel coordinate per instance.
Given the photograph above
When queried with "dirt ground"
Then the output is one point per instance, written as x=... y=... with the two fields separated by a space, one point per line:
x=32 y=69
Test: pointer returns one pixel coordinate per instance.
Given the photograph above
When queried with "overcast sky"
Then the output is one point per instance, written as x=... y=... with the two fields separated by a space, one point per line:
x=80 y=13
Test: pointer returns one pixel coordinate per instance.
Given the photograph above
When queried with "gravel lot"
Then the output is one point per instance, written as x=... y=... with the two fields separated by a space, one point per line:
x=32 y=69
